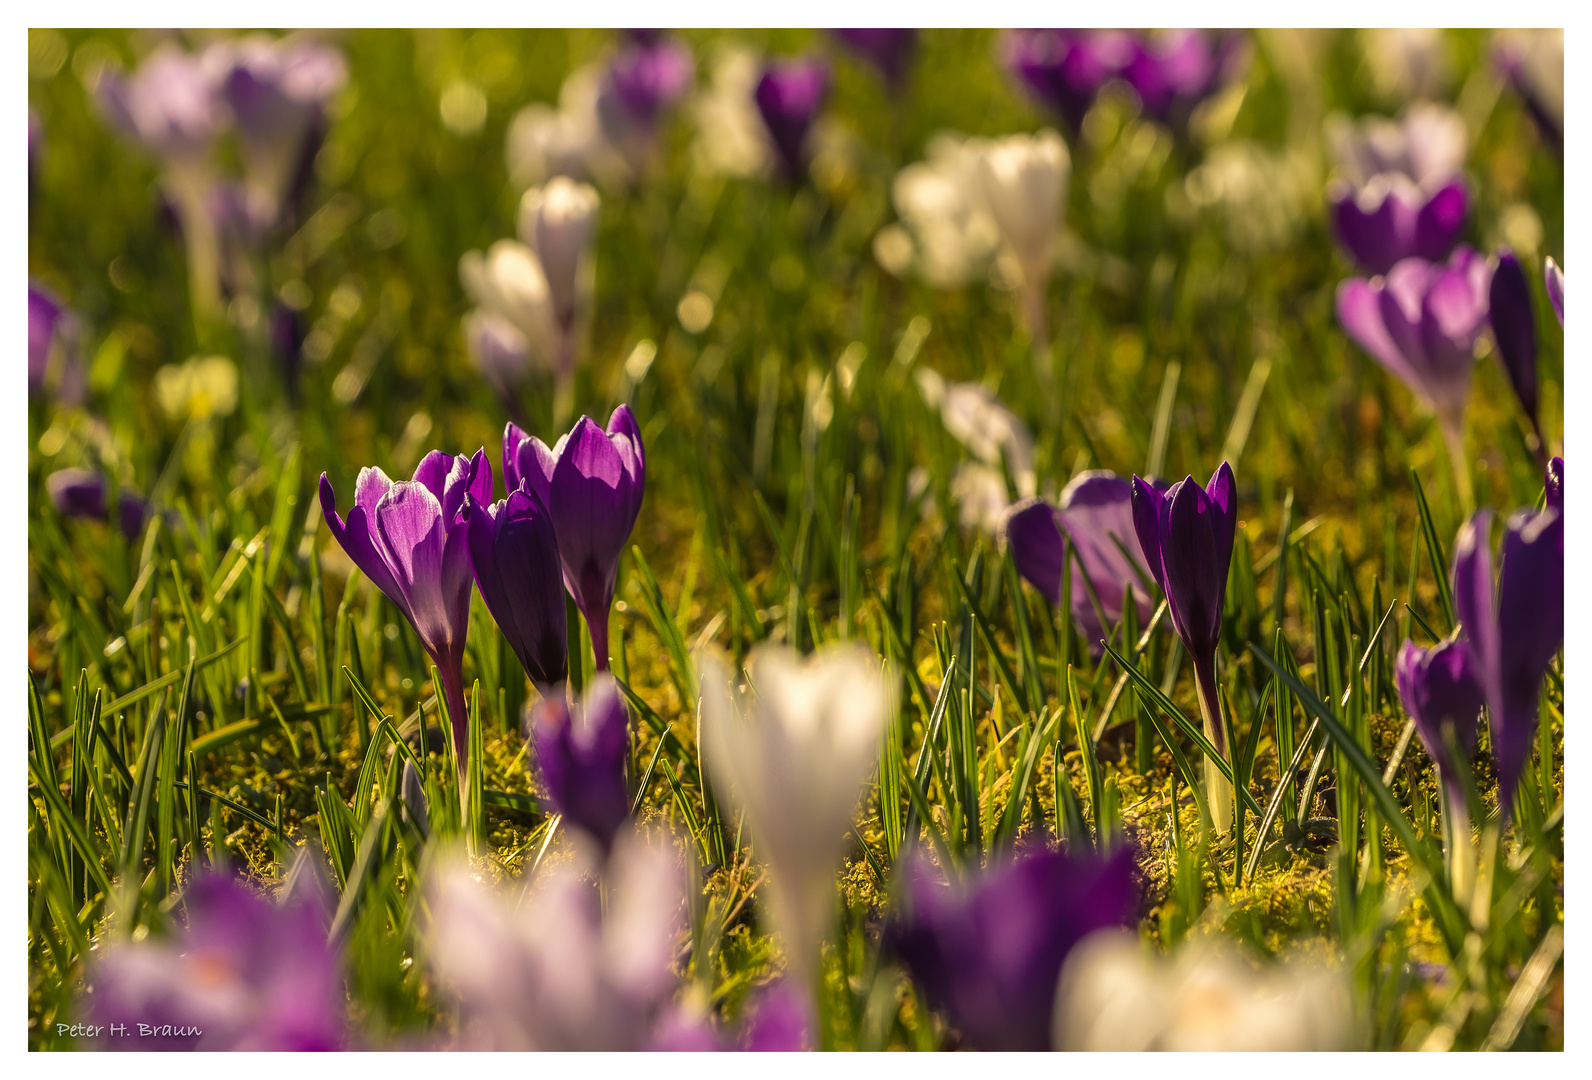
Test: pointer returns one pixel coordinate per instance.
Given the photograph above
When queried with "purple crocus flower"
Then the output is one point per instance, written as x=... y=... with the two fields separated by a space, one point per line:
x=1399 y=192
x=1186 y=535
x=1065 y=69
x=888 y=50
x=1512 y=631
x=1440 y=691
x=514 y=556
x=582 y=754
x=241 y=974
x=1421 y=323
x=591 y=482
x=171 y=104
x=990 y=955
x=81 y=494
x=1554 y=278
x=1096 y=515
x=52 y=326
x=409 y=538
x=649 y=74
x=1553 y=484
x=1514 y=328
x=1172 y=72
x=788 y=96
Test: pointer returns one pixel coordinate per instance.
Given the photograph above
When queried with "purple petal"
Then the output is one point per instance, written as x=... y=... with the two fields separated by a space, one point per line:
x=1038 y=551
x=356 y=537
x=1475 y=600
x=1097 y=513
x=1360 y=313
x=1196 y=576
x=1441 y=220
x=582 y=758
x=409 y=525
x=594 y=506
x=433 y=471
x=1530 y=632
x=889 y=50
x=788 y=96
x=779 y=1020
x=1554 y=277
x=1514 y=328
x=514 y=554
x=1147 y=506
x=1441 y=692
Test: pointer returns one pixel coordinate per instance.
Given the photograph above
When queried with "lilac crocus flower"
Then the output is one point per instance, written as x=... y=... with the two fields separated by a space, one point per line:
x=1514 y=328
x=1399 y=192
x=1553 y=484
x=649 y=74
x=990 y=955
x=889 y=50
x=514 y=557
x=1186 y=535
x=1065 y=69
x=1553 y=277
x=591 y=482
x=1441 y=693
x=1174 y=71
x=1096 y=515
x=1513 y=630
x=1421 y=323
x=788 y=97
x=409 y=538
x=241 y=974
x=52 y=332
x=81 y=494
x=582 y=754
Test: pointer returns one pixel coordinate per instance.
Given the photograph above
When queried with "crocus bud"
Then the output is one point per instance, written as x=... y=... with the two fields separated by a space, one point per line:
x=514 y=556
x=788 y=96
x=1440 y=691
x=1554 y=277
x=509 y=282
x=888 y=50
x=1186 y=535
x=81 y=494
x=54 y=365
x=1025 y=185
x=409 y=538
x=1514 y=328
x=989 y=954
x=1421 y=323
x=559 y=222
x=1513 y=630
x=794 y=753
x=1175 y=70
x=591 y=482
x=582 y=754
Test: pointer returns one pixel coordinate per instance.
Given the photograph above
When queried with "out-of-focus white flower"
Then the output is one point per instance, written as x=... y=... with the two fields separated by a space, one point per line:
x=941 y=203
x=793 y=750
x=1427 y=144
x=731 y=137
x=979 y=420
x=980 y=495
x=509 y=282
x=1025 y=180
x=559 y=222
x=1116 y=995
x=1408 y=62
x=557 y=972
x=544 y=142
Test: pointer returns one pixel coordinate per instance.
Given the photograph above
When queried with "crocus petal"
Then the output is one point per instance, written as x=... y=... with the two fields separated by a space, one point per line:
x=514 y=553
x=357 y=538
x=582 y=758
x=1440 y=222
x=1514 y=328
x=1097 y=514
x=1147 y=505
x=1360 y=313
x=1530 y=631
x=626 y=437
x=1037 y=546
x=433 y=472
x=1475 y=600
x=413 y=537
x=1441 y=692
x=1196 y=578
x=527 y=460
x=1554 y=277
x=593 y=502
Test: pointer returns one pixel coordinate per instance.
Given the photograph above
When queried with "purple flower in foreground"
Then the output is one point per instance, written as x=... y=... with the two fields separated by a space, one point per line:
x=592 y=483
x=409 y=538
x=1512 y=631
x=1553 y=484
x=889 y=50
x=242 y=974
x=1554 y=278
x=582 y=754
x=1514 y=328
x=1065 y=69
x=1096 y=515
x=1186 y=535
x=81 y=494
x=1421 y=323
x=990 y=955
x=788 y=96
x=563 y=970
x=514 y=557
x=1441 y=693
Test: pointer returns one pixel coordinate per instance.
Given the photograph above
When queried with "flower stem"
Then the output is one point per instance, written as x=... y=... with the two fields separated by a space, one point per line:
x=597 y=627
x=1456 y=456
x=1218 y=789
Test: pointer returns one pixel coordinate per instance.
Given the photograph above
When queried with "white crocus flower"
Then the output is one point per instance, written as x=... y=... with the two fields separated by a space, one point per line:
x=569 y=140
x=1115 y=994
x=508 y=282
x=980 y=421
x=794 y=750
x=941 y=202
x=559 y=222
x=561 y=970
x=1024 y=179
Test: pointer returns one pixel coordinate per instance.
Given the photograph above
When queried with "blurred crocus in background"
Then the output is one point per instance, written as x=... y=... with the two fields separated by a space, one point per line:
x=562 y=969
x=1533 y=63
x=581 y=751
x=1174 y=71
x=1514 y=327
x=789 y=94
x=1117 y=994
x=1513 y=629
x=1399 y=190
x=54 y=365
x=946 y=231
x=1186 y=535
x=648 y=74
x=988 y=953
x=1065 y=69
x=240 y=974
x=508 y=283
x=1554 y=278
x=1024 y=179
x=1441 y=693
x=498 y=350
x=1421 y=323
x=410 y=540
x=794 y=750
x=888 y=49
x=591 y=483
x=558 y=222
x=730 y=137
x=1096 y=517
x=513 y=554
x=80 y=493
x=980 y=421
